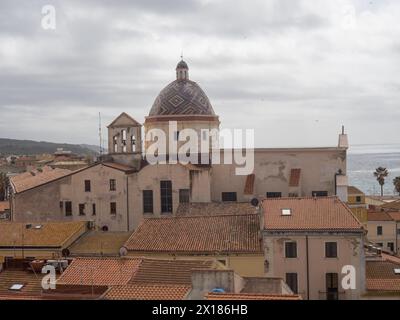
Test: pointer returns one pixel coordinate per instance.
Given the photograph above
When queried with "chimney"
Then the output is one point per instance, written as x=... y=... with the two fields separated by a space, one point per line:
x=343 y=140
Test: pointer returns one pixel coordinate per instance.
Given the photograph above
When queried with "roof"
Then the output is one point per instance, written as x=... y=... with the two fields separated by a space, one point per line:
x=379 y=216
x=37 y=177
x=50 y=234
x=320 y=213
x=119 y=166
x=198 y=234
x=99 y=242
x=147 y=292
x=32 y=284
x=125 y=119
x=394 y=205
x=294 y=180
x=99 y=271
x=250 y=296
x=395 y=215
x=4 y=205
x=168 y=271
x=351 y=190
x=214 y=208
x=380 y=276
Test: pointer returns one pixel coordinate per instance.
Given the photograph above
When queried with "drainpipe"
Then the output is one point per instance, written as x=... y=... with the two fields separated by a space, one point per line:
x=308 y=270
x=127 y=202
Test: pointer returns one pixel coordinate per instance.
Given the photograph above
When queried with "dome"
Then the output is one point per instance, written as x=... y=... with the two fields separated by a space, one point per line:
x=182 y=97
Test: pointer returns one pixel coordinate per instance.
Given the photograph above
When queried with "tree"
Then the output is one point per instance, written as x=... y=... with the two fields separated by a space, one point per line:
x=396 y=182
x=380 y=174
x=3 y=179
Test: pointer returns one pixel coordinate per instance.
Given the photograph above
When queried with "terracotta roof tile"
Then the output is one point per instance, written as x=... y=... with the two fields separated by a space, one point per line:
x=100 y=271
x=199 y=234
x=50 y=234
x=294 y=180
x=380 y=276
x=168 y=271
x=31 y=179
x=119 y=166
x=379 y=216
x=394 y=205
x=354 y=191
x=249 y=185
x=395 y=215
x=147 y=292
x=250 y=296
x=214 y=208
x=324 y=213
x=32 y=284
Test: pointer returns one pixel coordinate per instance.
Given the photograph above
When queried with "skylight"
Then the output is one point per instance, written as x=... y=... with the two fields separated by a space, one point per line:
x=397 y=271
x=16 y=287
x=286 y=212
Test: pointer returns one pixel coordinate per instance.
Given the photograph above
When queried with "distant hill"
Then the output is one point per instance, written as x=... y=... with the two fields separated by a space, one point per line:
x=29 y=147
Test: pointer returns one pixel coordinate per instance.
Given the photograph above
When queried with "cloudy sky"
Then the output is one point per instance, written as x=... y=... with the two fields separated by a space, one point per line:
x=294 y=70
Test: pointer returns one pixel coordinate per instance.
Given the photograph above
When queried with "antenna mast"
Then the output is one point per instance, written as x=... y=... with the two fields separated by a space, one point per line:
x=100 y=140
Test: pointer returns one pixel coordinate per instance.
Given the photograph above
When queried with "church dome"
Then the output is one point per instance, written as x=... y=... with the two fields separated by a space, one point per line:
x=182 y=97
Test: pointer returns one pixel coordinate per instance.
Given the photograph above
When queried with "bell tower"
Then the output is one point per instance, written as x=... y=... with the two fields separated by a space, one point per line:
x=125 y=140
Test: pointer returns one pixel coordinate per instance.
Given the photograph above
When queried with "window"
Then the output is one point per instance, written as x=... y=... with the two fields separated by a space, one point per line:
x=93 y=209
x=184 y=195
x=229 y=196
x=286 y=212
x=81 y=209
x=398 y=231
x=113 y=185
x=293 y=195
x=358 y=199
x=61 y=205
x=68 y=208
x=380 y=244
x=147 y=201
x=379 y=230
x=166 y=196
x=331 y=249
x=332 y=292
x=274 y=194
x=291 y=281
x=87 y=186
x=320 y=193
x=133 y=140
x=113 y=208
x=291 y=249
x=391 y=246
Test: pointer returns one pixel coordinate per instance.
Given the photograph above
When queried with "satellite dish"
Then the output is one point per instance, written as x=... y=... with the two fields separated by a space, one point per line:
x=254 y=202
x=123 y=251
x=65 y=252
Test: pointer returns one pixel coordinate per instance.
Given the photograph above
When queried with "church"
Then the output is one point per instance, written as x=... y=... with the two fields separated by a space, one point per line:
x=121 y=189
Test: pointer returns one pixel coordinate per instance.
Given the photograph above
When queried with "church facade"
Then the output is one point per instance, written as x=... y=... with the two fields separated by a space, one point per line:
x=122 y=188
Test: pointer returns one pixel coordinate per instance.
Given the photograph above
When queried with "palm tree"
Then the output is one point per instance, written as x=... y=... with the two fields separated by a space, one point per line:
x=380 y=174
x=396 y=182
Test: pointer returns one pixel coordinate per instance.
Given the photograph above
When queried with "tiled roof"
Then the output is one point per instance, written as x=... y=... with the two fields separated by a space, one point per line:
x=394 y=205
x=147 y=292
x=250 y=296
x=354 y=191
x=380 y=276
x=199 y=234
x=214 y=208
x=395 y=215
x=321 y=213
x=32 y=284
x=249 y=185
x=4 y=205
x=99 y=242
x=379 y=216
x=31 y=179
x=294 y=180
x=50 y=234
x=168 y=271
x=100 y=271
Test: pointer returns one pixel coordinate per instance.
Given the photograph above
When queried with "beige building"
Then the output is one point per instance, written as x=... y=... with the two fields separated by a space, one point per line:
x=357 y=203
x=122 y=189
x=382 y=231
x=308 y=241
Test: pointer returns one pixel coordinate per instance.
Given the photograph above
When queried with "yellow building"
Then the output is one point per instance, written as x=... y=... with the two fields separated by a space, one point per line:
x=233 y=240
x=357 y=203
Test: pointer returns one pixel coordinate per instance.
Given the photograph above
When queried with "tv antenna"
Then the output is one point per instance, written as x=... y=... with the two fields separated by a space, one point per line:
x=100 y=138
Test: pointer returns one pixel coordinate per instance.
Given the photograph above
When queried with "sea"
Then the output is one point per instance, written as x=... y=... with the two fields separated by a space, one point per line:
x=362 y=160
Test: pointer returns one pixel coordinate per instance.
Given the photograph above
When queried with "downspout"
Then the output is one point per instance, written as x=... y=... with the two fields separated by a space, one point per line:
x=127 y=202
x=308 y=270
